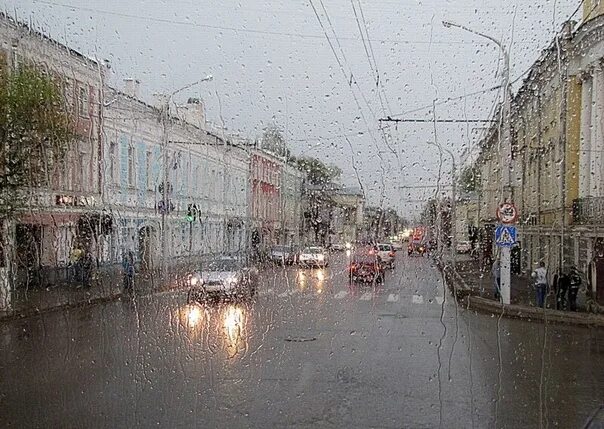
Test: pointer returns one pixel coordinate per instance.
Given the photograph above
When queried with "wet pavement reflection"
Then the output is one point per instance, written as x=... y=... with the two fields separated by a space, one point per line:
x=310 y=350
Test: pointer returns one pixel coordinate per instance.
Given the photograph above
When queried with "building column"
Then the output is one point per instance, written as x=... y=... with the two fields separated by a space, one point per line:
x=597 y=144
x=585 y=140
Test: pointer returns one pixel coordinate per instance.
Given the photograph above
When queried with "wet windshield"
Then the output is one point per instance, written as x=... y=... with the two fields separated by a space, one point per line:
x=301 y=213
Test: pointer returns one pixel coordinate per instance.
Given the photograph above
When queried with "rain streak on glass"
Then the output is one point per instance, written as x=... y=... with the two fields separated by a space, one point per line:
x=309 y=213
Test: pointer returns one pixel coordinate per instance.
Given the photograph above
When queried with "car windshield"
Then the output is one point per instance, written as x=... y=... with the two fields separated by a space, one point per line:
x=301 y=213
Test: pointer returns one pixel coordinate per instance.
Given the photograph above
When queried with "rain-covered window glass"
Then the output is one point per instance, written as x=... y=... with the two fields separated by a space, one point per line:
x=305 y=214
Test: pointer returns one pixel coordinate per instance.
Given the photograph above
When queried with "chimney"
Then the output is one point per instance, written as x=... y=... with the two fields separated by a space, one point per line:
x=194 y=112
x=131 y=87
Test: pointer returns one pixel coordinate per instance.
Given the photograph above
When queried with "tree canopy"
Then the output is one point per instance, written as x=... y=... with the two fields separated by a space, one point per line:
x=317 y=172
x=35 y=131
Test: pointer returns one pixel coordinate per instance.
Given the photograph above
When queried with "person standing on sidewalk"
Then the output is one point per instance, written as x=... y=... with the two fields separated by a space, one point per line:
x=540 y=278
x=574 y=285
x=87 y=262
x=128 y=270
x=496 y=274
x=562 y=284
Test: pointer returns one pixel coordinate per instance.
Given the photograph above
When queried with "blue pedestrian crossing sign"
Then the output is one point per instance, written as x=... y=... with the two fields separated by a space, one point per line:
x=505 y=235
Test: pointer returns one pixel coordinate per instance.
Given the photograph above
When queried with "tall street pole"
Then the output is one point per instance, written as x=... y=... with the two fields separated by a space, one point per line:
x=506 y=154
x=165 y=120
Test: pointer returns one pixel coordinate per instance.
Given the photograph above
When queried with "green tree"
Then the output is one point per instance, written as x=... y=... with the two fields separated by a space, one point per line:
x=273 y=141
x=35 y=132
x=316 y=171
x=469 y=179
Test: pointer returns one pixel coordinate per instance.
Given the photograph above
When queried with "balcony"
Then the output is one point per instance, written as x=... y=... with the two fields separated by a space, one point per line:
x=588 y=210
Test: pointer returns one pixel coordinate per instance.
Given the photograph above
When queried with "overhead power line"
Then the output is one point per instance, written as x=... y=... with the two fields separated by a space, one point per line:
x=390 y=119
x=244 y=30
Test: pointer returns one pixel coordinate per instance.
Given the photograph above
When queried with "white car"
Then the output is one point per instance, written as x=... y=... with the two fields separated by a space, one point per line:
x=226 y=277
x=313 y=256
x=386 y=253
x=397 y=245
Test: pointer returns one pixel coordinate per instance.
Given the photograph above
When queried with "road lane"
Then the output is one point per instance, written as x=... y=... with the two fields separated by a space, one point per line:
x=311 y=351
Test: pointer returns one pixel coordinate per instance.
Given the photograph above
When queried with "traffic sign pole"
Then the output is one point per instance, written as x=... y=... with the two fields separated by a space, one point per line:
x=507 y=214
x=505 y=267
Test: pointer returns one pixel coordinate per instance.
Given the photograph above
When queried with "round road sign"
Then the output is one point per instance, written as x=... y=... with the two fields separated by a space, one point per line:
x=507 y=213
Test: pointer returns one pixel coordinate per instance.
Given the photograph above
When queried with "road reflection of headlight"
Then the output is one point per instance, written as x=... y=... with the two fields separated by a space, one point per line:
x=193 y=316
x=233 y=321
x=348 y=252
x=321 y=275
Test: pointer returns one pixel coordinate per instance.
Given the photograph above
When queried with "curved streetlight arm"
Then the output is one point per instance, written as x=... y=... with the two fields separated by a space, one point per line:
x=205 y=79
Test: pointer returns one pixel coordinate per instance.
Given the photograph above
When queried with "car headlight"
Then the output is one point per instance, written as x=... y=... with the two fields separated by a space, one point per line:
x=348 y=245
x=194 y=280
x=320 y=257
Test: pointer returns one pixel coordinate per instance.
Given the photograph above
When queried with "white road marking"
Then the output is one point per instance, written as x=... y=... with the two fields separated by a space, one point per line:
x=393 y=297
x=365 y=297
x=440 y=299
x=417 y=299
x=341 y=294
x=283 y=295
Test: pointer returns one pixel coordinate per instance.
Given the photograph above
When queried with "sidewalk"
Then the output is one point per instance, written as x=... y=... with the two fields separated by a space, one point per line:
x=473 y=284
x=105 y=287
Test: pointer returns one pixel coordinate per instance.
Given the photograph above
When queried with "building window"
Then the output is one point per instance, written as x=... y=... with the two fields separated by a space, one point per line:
x=113 y=171
x=148 y=170
x=83 y=101
x=131 y=166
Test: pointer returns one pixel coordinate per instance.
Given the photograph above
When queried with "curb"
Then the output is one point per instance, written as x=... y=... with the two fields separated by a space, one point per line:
x=516 y=311
x=513 y=311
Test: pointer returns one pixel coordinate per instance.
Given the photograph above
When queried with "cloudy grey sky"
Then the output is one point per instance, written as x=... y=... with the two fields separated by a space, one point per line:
x=272 y=57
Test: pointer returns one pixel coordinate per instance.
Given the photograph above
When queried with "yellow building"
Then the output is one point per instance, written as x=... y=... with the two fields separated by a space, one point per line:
x=557 y=123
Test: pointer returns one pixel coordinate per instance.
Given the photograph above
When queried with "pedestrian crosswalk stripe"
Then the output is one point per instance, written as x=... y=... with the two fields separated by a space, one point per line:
x=417 y=299
x=365 y=297
x=393 y=297
x=341 y=294
x=440 y=299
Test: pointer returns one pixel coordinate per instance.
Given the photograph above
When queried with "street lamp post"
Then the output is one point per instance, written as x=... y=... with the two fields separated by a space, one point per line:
x=452 y=249
x=165 y=120
x=506 y=153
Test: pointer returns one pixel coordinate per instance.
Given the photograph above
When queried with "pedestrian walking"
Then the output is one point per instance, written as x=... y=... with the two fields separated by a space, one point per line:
x=574 y=285
x=128 y=270
x=540 y=278
x=87 y=263
x=75 y=259
x=561 y=284
x=496 y=274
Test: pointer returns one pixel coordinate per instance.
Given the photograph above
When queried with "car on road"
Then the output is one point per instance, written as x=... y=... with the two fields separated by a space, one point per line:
x=283 y=255
x=226 y=277
x=416 y=247
x=386 y=254
x=337 y=247
x=313 y=256
x=366 y=267
x=397 y=245
x=463 y=247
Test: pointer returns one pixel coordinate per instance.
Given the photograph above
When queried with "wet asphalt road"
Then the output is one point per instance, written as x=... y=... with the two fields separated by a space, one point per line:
x=310 y=352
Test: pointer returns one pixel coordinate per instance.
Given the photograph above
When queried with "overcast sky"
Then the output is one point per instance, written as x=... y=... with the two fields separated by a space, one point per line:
x=269 y=58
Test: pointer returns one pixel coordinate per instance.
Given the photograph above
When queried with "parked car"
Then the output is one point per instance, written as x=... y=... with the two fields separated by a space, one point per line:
x=463 y=247
x=227 y=277
x=283 y=254
x=313 y=256
x=386 y=253
x=366 y=267
x=338 y=247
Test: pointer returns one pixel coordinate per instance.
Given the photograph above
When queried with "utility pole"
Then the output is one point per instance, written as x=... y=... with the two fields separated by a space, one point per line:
x=506 y=154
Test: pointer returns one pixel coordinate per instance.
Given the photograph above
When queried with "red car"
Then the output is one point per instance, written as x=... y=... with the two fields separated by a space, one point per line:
x=366 y=267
